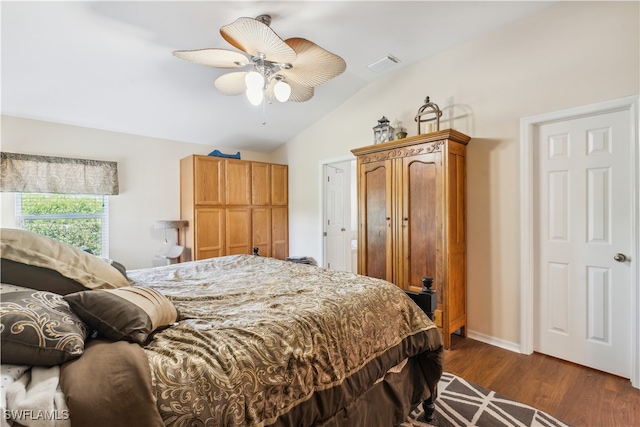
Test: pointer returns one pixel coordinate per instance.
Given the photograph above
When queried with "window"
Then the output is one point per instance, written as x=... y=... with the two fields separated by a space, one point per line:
x=77 y=219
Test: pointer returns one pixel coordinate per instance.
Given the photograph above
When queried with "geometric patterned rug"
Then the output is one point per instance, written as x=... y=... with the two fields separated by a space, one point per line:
x=464 y=404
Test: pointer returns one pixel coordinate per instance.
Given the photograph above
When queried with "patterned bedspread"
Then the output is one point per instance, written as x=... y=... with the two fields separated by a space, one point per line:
x=259 y=340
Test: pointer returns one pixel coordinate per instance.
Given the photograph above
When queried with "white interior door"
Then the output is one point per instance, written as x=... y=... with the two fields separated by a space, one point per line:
x=582 y=211
x=336 y=225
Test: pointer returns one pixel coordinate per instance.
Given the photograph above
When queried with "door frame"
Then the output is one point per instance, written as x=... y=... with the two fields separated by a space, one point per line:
x=323 y=203
x=528 y=226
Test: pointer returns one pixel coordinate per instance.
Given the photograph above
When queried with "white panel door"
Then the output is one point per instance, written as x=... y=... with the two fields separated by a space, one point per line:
x=582 y=205
x=336 y=236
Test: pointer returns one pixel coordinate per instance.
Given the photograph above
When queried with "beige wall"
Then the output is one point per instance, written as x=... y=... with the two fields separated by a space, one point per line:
x=570 y=54
x=149 y=175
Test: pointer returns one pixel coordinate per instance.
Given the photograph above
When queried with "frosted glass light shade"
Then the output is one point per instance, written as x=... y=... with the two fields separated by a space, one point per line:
x=255 y=95
x=254 y=80
x=282 y=91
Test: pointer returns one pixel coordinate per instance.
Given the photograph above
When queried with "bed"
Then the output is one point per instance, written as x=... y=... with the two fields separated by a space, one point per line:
x=241 y=340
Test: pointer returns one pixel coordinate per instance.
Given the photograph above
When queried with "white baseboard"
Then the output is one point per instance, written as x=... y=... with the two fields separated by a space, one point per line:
x=497 y=342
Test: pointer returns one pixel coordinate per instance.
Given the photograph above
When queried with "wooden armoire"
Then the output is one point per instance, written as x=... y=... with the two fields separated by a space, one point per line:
x=234 y=206
x=411 y=215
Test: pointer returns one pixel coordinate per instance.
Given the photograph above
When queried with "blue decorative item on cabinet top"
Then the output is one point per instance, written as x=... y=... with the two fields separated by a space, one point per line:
x=217 y=153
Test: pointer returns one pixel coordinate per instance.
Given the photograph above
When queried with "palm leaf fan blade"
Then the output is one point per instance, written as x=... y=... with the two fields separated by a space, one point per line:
x=299 y=93
x=254 y=37
x=231 y=83
x=219 y=58
x=314 y=65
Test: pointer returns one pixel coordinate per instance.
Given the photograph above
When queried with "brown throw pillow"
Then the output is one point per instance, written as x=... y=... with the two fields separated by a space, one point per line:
x=110 y=385
x=39 y=328
x=38 y=278
x=129 y=314
x=40 y=262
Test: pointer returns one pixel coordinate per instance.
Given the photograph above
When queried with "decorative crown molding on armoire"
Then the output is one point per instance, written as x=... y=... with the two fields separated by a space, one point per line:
x=412 y=218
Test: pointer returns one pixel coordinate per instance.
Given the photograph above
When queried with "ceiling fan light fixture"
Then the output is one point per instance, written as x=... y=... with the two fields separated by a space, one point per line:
x=288 y=70
x=254 y=80
x=282 y=90
x=255 y=96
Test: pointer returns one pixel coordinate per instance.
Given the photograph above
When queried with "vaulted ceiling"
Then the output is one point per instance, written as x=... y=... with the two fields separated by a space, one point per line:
x=109 y=64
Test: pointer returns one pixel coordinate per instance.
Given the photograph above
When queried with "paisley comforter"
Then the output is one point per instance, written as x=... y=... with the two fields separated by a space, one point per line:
x=266 y=342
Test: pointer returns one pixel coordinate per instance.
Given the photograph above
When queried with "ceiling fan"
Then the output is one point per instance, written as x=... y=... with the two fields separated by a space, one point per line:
x=288 y=70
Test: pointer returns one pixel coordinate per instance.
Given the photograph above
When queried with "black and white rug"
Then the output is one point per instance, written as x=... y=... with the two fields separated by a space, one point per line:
x=464 y=404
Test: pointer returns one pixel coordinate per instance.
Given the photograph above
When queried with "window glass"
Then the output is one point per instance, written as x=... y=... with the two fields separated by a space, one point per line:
x=76 y=219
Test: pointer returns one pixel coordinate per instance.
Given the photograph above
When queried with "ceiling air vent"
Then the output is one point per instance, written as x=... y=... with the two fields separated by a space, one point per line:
x=383 y=63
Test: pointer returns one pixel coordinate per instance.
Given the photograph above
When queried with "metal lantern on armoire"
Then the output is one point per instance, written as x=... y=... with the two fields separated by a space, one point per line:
x=383 y=132
x=429 y=112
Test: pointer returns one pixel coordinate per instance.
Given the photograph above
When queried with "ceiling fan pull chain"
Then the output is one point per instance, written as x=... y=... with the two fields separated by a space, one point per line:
x=264 y=111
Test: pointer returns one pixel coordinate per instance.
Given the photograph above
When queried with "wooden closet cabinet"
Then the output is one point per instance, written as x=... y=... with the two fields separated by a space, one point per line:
x=412 y=218
x=233 y=206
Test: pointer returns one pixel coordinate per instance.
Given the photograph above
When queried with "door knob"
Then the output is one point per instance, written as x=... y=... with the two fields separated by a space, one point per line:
x=620 y=257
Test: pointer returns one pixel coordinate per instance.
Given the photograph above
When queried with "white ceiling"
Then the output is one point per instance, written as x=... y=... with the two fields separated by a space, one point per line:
x=108 y=65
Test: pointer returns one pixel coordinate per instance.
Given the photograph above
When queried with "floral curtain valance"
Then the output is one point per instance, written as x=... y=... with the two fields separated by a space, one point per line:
x=26 y=173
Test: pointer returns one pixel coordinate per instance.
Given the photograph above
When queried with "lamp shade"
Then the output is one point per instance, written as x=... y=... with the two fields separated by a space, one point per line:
x=254 y=80
x=165 y=224
x=282 y=91
x=255 y=95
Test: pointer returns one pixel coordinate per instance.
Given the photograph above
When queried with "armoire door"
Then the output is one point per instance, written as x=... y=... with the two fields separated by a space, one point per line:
x=208 y=180
x=279 y=232
x=209 y=233
x=419 y=221
x=279 y=185
x=375 y=251
x=238 y=182
x=261 y=230
x=238 y=231
x=260 y=184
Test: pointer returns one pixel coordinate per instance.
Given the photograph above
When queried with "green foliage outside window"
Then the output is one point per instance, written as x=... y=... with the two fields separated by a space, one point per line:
x=73 y=219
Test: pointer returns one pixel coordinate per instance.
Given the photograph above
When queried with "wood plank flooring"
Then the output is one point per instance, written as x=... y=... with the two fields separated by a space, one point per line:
x=572 y=393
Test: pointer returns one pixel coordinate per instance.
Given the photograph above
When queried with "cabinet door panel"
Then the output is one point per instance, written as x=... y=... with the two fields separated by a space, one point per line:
x=260 y=184
x=209 y=233
x=279 y=185
x=209 y=180
x=238 y=182
x=279 y=233
x=420 y=221
x=238 y=231
x=261 y=230
x=375 y=258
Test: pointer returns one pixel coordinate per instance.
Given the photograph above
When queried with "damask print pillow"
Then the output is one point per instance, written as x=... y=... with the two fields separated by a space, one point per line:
x=39 y=328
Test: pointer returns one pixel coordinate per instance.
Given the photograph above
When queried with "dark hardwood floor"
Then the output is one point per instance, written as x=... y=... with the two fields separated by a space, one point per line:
x=572 y=393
